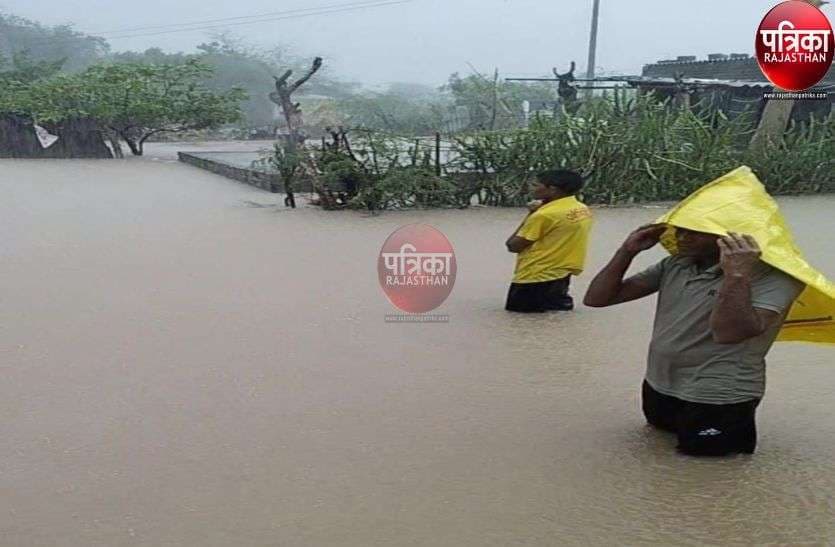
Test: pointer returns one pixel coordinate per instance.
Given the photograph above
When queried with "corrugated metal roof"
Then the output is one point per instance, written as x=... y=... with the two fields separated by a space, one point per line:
x=703 y=82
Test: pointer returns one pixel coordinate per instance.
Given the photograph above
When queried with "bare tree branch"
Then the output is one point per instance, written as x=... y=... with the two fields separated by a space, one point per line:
x=317 y=64
x=282 y=81
x=294 y=145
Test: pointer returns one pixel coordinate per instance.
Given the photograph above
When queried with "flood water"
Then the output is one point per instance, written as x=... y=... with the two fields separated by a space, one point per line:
x=181 y=367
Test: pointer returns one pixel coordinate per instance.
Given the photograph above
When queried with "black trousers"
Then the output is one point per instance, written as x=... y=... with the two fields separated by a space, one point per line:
x=703 y=429
x=540 y=297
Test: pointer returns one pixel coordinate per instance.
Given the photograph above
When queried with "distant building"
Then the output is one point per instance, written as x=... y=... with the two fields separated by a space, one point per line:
x=718 y=66
x=732 y=82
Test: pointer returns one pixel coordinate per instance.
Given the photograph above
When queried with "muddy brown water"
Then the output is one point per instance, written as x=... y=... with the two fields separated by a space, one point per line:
x=181 y=367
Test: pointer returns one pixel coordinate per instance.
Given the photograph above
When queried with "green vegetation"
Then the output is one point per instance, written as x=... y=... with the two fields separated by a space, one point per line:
x=632 y=150
x=645 y=150
x=636 y=149
x=138 y=101
x=471 y=103
x=402 y=108
x=375 y=172
x=464 y=103
x=492 y=104
x=236 y=65
x=131 y=102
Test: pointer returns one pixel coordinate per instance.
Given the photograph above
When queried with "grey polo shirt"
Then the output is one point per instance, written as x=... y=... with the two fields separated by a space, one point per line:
x=684 y=361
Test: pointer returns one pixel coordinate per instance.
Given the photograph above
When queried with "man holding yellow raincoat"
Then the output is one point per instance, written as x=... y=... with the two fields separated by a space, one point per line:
x=724 y=295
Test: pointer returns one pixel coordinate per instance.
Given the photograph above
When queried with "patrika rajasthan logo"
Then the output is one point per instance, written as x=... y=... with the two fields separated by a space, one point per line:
x=417 y=268
x=795 y=45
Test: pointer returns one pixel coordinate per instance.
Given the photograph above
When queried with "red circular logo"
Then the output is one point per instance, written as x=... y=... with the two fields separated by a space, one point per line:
x=795 y=45
x=417 y=268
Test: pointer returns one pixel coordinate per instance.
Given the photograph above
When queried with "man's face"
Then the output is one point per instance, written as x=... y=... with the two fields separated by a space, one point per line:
x=696 y=244
x=543 y=192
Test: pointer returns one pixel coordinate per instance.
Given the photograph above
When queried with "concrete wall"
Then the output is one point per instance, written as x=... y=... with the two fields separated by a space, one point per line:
x=266 y=181
x=270 y=182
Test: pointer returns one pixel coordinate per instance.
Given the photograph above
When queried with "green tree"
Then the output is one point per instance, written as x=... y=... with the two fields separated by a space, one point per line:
x=132 y=101
x=22 y=68
x=17 y=78
x=138 y=101
x=153 y=56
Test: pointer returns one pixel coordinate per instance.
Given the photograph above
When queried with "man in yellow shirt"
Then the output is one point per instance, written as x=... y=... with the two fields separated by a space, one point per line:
x=551 y=245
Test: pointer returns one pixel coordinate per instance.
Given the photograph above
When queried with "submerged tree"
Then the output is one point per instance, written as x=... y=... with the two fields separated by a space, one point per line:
x=137 y=101
x=128 y=101
x=292 y=152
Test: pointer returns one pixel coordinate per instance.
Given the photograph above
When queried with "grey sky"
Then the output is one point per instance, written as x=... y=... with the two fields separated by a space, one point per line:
x=426 y=40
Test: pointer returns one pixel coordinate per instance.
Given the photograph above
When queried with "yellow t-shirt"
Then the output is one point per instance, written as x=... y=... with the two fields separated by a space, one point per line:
x=560 y=232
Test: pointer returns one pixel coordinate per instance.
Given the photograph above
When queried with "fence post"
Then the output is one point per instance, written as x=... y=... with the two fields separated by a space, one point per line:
x=437 y=153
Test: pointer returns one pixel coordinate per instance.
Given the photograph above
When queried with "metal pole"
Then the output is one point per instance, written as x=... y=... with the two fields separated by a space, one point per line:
x=593 y=41
x=437 y=154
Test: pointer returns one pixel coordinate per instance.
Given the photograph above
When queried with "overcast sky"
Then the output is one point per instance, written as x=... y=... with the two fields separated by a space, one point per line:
x=426 y=40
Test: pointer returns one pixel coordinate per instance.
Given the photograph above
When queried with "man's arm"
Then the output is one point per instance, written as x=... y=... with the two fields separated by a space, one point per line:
x=608 y=286
x=516 y=244
x=734 y=318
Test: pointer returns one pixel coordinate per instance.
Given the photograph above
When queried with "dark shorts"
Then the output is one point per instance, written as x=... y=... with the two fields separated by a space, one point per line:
x=540 y=297
x=703 y=429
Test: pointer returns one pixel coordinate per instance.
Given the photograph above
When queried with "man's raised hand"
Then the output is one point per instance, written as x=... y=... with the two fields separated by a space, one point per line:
x=739 y=254
x=645 y=237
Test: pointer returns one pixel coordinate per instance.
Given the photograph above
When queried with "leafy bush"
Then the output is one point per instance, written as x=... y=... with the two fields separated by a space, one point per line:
x=630 y=150
x=644 y=150
x=803 y=162
x=375 y=172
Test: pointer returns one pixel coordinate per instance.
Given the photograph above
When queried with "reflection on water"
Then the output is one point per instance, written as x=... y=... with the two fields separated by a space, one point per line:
x=182 y=369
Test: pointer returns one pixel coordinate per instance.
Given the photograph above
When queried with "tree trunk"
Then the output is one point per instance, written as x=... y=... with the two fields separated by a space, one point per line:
x=773 y=123
x=294 y=144
x=290 y=151
x=494 y=106
x=115 y=145
x=77 y=138
x=293 y=117
x=134 y=145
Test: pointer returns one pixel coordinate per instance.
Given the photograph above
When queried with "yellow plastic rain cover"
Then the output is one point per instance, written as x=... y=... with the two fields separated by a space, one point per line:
x=738 y=202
